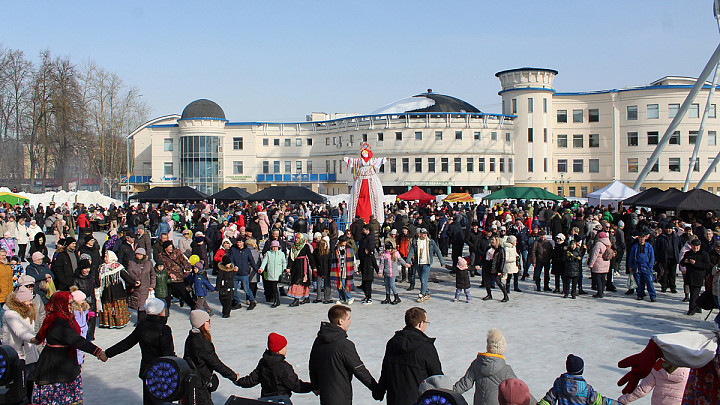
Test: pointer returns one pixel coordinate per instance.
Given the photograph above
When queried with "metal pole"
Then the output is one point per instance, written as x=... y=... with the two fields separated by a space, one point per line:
x=678 y=117
x=708 y=171
x=701 y=131
x=127 y=168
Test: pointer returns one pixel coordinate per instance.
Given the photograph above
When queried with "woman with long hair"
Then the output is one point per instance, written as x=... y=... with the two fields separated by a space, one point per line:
x=18 y=329
x=112 y=308
x=322 y=261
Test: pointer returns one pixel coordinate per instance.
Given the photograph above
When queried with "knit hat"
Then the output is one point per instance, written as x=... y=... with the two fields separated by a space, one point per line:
x=78 y=296
x=154 y=306
x=23 y=294
x=198 y=317
x=83 y=264
x=166 y=244
x=140 y=251
x=602 y=235
x=226 y=260
x=69 y=240
x=25 y=280
x=462 y=264
x=37 y=256
x=574 y=365
x=276 y=342
x=496 y=343
x=513 y=391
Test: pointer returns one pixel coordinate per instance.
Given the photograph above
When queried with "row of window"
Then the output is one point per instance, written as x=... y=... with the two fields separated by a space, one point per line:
x=530 y=106
x=493 y=164
x=578 y=115
x=633 y=165
x=652 y=112
x=653 y=138
x=578 y=140
x=237 y=143
x=578 y=165
x=572 y=191
x=238 y=166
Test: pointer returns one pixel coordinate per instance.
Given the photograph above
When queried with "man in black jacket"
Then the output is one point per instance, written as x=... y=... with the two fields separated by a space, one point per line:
x=697 y=263
x=334 y=360
x=64 y=265
x=126 y=253
x=410 y=357
x=667 y=254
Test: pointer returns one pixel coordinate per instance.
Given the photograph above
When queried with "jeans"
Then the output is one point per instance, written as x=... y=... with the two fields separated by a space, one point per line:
x=245 y=280
x=525 y=263
x=644 y=278
x=538 y=272
x=423 y=273
x=344 y=295
x=390 y=285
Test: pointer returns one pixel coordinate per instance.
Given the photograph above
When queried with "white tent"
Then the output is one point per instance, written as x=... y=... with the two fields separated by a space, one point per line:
x=612 y=194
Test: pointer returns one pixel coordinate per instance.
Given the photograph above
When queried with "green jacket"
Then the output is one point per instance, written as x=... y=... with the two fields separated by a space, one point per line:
x=273 y=264
x=161 y=281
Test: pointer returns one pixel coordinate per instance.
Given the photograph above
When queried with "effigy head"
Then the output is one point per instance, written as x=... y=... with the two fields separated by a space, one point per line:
x=366 y=152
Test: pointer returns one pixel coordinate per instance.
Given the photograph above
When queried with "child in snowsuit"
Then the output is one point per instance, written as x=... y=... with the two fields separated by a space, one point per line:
x=225 y=285
x=275 y=375
x=17 y=270
x=201 y=286
x=390 y=265
x=667 y=383
x=571 y=389
x=462 y=280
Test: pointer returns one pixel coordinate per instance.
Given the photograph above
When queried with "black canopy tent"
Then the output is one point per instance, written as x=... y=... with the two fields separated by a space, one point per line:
x=693 y=200
x=656 y=201
x=640 y=197
x=230 y=194
x=172 y=194
x=286 y=193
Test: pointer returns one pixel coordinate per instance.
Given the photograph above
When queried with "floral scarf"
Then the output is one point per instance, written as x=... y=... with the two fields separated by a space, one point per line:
x=297 y=246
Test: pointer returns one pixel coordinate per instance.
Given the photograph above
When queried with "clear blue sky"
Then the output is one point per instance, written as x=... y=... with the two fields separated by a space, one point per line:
x=280 y=60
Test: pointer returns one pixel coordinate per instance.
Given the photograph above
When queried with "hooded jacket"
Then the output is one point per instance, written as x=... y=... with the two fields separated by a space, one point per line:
x=597 y=263
x=571 y=389
x=225 y=283
x=18 y=330
x=276 y=377
x=333 y=362
x=668 y=389
x=486 y=372
x=410 y=357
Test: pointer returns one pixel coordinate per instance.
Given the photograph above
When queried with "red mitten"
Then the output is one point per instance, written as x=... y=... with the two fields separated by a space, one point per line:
x=640 y=366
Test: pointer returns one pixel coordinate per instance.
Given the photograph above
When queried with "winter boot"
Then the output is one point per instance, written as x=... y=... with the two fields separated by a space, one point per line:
x=295 y=303
x=397 y=300
x=386 y=300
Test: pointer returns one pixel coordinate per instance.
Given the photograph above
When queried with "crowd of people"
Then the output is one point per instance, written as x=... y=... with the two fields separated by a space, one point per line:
x=312 y=253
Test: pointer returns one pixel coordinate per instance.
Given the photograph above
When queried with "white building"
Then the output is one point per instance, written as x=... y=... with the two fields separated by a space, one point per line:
x=568 y=143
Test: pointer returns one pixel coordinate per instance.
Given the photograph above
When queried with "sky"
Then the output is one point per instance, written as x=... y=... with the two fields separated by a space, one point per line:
x=281 y=60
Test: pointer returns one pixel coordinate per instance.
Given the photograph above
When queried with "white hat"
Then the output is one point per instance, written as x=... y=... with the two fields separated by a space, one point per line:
x=317 y=235
x=154 y=306
x=496 y=343
x=560 y=236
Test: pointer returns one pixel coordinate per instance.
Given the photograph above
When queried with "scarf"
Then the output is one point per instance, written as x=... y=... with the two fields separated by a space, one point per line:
x=58 y=307
x=342 y=267
x=297 y=246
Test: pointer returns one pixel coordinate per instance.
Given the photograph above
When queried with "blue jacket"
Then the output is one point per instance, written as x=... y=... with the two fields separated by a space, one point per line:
x=573 y=390
x=642 y=261
x=163 y=227
x=200 y=284
x=243 y=260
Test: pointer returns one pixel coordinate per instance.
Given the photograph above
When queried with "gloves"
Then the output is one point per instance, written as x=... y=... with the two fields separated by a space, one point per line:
x=640 y=366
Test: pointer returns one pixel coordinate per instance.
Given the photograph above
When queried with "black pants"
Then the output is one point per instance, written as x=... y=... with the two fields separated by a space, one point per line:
x=367 y=288
x=253 y=288
x=487 y=277
x=568 y=282
x=558 y=277
x=599 y=279
x=141 y=315
x=179 y=291
x=226 y=306
x=271 y=291
x=21 y=251
x=501 y=283
x=92 y=322
x=443 y=245
x=667 y=279
x=457 y=248
x=694 y=295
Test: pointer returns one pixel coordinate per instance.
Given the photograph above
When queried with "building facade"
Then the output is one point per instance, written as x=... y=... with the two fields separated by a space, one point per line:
x=567 y=143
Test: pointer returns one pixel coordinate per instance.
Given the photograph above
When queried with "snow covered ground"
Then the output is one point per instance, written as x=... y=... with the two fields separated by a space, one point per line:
x=70 y=197
x=541 y=329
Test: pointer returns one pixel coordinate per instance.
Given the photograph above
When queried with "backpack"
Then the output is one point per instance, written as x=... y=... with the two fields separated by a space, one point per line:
x=608 y=254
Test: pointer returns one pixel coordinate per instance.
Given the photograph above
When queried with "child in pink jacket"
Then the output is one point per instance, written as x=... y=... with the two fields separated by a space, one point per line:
x=668 y=382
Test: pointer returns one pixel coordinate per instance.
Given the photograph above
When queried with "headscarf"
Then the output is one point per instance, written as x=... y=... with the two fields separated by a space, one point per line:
x=297 y=246
x=112 y=257
x=58 y=307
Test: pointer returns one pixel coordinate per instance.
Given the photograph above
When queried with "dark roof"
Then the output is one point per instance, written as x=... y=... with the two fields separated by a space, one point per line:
x=428 y=103
x=286 y=193
x=174 y=194
x=203 y=108
x=230 y=194
x=524 y=68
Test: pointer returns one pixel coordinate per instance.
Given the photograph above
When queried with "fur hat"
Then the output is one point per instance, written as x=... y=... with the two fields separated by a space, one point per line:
x=226 y=260
x=513 y=391
x=496 y=343
x=154 y=306
x=198 y=317
x=574 y=365
x=23 y=294
x=166 y=244
x=276 y=342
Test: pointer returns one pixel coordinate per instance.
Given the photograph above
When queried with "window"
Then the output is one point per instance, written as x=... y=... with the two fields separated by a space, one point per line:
x=594 y=140
x=578 y=166
x=545 y=105
x=288 y=165
x=656 y=167
x=712 y=111
x=545 y=135
x=577 y=140
x=335 y=166
x=632 y=112
x=470 y=165
x=444 y=165
x=327 y=166
x=398 y=136
x=168 y=169
x=237 y=143
x=692 y=137
x=418 y=136
x=418 y=165
x=510 y=165
x=266 y=142
x=364 y=137
x=694 y=111
x=652 y=138
x=562 y=166
x=492 y=164
x=380 y=137
x=334 y=140
x=514 y=106
x=577 y=115
x=675 y=138
x=710 y=162
x=298 y=142
x=493 y=136
x=502 y=165
x=545 y=165
x=393 y=165
x=571 y=191
x=308 y=166
x=653 y=111
x=593 y=115
x=382 y=168
x=405 y=165
x=309 y=142
x=530 y=105
x=438 y=135
x=674 y=164
x=298 y=166
x=530 y=135
x=632 y=138
x=632 y=165
x=265 y=167
x=508 y=137
x=561 y=115
x=476 y=136
x=168 y=145
x=458 y=165
x=562 y=141
x=712 y=138
x=238 y=167
x=696 y=166
x=276 y=166
x=583 y=191
x=276 y=142
x=530 y=165
x=431 y=165
x=594 y=165
x=561 y=192
x=673 y=110
x=458 y=135
x=481 y=164
x=327 y=141
x=351 y=139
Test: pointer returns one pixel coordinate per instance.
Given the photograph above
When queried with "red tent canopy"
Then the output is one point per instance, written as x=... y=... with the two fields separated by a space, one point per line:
x=416 y=193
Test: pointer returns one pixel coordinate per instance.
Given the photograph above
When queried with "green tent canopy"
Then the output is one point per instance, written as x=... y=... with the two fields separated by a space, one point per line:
x=13 y=199
x=522 y=193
